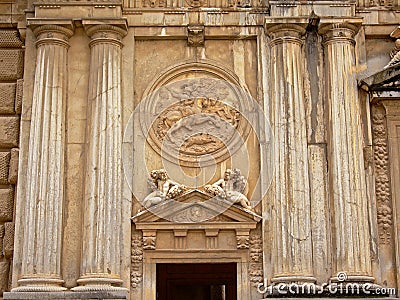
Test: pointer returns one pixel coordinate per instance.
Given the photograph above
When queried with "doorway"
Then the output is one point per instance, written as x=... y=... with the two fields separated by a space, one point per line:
x=201 y=281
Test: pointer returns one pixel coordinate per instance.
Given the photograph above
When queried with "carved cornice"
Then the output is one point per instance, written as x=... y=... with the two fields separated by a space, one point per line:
x=339 y=31
x=55 y=32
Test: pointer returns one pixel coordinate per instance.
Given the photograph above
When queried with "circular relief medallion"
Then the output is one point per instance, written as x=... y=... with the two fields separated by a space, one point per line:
x=192 y=122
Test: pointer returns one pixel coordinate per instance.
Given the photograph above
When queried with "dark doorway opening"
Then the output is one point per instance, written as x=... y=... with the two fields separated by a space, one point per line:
x=196 y=281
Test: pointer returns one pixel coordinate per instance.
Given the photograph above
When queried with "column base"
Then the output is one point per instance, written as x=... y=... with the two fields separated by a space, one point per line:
x=39 y=284
x=293 y=279
x=92 y=283
x=116 y=295
x=344 y=277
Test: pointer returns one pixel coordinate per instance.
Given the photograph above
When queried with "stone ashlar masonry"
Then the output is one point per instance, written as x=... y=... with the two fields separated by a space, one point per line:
x=11 y=87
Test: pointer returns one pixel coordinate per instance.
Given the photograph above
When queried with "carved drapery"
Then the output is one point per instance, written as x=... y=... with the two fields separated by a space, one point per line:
x=345 y=146
x=41 y=253
x=292 y=257
x=101 y=254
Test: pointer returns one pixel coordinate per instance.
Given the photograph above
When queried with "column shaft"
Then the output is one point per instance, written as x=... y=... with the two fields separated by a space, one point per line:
x=292 y=245
x=101 y=256
x=346 y=165
x=41 y=270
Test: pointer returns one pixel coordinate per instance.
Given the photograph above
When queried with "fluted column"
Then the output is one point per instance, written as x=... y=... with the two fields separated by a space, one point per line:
x=346 y=164
x=292 y=245
x=41 y=253
x=102 y=244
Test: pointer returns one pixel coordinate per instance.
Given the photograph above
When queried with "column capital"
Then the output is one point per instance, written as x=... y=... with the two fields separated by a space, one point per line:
x=341 y=30
x=106 y=31
x=286 y=29
x=48 y=31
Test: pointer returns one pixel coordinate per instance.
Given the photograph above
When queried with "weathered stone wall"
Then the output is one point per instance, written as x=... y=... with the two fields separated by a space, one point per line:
x=159 y=36
x=11 y=87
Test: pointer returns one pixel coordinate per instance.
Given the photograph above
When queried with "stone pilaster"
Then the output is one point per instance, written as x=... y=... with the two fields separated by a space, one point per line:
x=292 y=245
x=41 y=252
x=101 y=251
x=351 y=238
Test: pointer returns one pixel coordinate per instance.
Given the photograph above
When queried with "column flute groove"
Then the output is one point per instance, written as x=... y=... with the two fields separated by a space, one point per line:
x=101 y=257
x=41 y=253
x=292 y=243
x=345 y=146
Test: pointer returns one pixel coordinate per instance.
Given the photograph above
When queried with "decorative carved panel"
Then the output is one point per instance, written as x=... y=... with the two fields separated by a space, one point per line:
x=171 y=4
x=136 y=259
x=256 y=259
x=382 y=174
x=195 y=117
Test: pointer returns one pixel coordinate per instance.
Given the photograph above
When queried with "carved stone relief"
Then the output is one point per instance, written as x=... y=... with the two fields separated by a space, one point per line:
x=193 y=118
x=192 y=4
x=149 y=240
x=136 y=259
x=256 y=259
x=395 y=53
x=196 y=32
x=174 y=119
x=162 y=188
x=382 y=177
x=242 y=241
x=230 y=189
x=195 y=213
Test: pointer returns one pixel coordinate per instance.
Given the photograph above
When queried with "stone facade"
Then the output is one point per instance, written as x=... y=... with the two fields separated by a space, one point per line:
x=11 y=93
x=135 y=134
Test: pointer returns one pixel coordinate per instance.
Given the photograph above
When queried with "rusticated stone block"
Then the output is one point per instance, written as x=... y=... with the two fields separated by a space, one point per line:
x=9 y=131
x=4 y=268
x=8 y=241
x=13 y=170
x=19 y=94
x=10 y=39
x=1 y=240
x=11 y=64
x=6 y=204
x=7 y=98
x=4 y=166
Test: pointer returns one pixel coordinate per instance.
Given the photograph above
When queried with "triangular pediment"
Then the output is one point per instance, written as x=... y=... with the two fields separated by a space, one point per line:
x=387 y=79
x=196 y=206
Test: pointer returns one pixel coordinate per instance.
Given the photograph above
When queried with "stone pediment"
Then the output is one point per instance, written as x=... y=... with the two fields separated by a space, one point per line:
x=385 y=80
x=196 y=206
x=195 y=211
